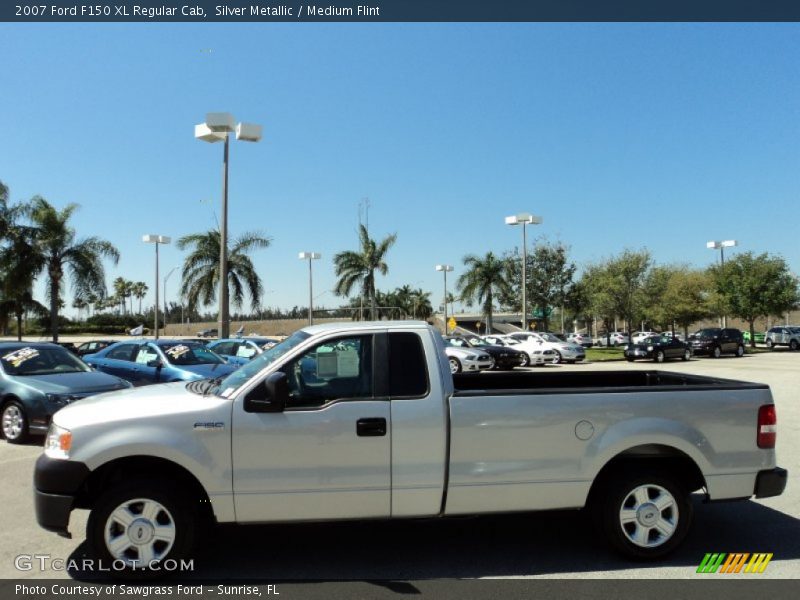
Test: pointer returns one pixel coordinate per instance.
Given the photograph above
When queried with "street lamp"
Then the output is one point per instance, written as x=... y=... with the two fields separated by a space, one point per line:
x=309 y=256
x=166 y=310
x=156 y=239
x=216 y=129
x=714 y=245
x=444 y=269
x=524 y=219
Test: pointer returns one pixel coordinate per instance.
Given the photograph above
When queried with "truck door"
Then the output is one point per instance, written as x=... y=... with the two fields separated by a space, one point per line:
x=327 y=455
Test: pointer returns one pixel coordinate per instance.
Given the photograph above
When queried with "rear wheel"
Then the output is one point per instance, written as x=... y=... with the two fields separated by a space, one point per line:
x=455 y=365
x=740 y=350
x=643 y=515
x=770 y=343
x=716 y=352
x=15 y=423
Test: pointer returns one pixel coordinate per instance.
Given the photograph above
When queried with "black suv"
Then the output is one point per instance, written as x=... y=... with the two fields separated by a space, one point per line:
x=716 y=341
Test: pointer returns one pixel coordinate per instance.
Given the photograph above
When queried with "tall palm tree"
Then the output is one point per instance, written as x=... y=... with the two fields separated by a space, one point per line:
x=121 y=286
x=60 y=253
x=358 y=268
x=139 y=290
x=421 y=304
x=483 y=279
x=200 y=274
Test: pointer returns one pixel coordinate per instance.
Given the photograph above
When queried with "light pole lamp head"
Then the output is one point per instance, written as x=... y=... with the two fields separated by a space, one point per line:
x=156 y=239
x=523 y=218
x=202 y=132
x=445 y=268
x=713 y=245
x=309 y=255
x=729 y=243
x=248 y=132
x=220 y=122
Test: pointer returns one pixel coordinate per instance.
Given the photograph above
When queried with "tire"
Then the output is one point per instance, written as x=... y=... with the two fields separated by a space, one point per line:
x=740 y=350
x=716 y=352
x=526 y=360
x=630 y=359
x=659 y=357
x=793 y=345
x=455 y=365
x=557 y=359
x=15 y=423
x=642 y=515
x=770 y=344
x=157 y=514
x=687 y=355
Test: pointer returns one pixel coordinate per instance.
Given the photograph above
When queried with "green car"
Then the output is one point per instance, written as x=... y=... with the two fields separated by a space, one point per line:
x=758 y=337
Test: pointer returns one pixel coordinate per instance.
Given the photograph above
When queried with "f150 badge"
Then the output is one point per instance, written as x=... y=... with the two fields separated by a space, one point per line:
x=209 y=425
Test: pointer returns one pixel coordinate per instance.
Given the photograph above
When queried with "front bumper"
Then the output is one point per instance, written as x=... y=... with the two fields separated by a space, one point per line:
x=770 y=483
x=56 y=483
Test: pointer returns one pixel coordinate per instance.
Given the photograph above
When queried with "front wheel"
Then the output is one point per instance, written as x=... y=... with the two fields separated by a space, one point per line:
x=659 y=356
x=557 y=358
x=139 y=525
x=455 y=365
x=793 y=345
x=687 y=354
x=643 y=516
x=770 y=343
x=717 y=352
x=15 y=423
x=525 y=360
x=740 y=351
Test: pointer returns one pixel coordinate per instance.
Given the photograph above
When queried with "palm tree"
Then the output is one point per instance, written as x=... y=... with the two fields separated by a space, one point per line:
x=484 y=278
x=121 y=286
x=139 y=290
x=354 y=268
x=57 y=250
x=200 y=274
x=421 y=304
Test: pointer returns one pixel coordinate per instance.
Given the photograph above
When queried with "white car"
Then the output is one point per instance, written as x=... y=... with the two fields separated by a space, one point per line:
x=564 y=351
x=468 y=360
x=582 y=339
x=615 y=338
x=537 y=357
x=642 y=335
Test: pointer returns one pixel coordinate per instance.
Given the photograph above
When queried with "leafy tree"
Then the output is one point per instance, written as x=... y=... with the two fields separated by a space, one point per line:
x=484 y=279
x=577 y=304
x=201 y=273
x=754 y=286
x=358 y=268
x=59 y=253
x=625 y=276
x=597 y=285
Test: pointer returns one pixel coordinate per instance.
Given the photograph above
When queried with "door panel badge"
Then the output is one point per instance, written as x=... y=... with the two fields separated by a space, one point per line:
x=209 y=426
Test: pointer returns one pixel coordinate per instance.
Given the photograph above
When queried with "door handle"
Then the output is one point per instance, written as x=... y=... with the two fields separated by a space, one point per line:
x=375 y=427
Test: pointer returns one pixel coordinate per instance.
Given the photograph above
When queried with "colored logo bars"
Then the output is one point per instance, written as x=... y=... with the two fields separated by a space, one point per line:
x=734 y=563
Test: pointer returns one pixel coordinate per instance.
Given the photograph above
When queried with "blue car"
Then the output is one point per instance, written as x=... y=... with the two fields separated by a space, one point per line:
x=142 y=362
x=240 y=351
x=36 y=379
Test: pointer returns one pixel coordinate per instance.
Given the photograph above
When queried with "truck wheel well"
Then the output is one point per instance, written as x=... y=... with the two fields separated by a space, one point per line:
x=143 y=467
x=664 y=459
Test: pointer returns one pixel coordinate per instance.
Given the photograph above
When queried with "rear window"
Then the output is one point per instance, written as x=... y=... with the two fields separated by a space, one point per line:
x=408 y=371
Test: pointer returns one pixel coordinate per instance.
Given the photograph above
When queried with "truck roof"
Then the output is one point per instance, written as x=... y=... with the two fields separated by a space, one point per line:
x=363 y=326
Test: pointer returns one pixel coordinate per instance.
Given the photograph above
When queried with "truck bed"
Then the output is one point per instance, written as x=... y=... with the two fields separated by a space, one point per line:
x=519 y=382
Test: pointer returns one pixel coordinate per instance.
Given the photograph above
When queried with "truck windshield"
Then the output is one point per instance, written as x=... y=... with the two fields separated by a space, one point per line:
x=243 y=374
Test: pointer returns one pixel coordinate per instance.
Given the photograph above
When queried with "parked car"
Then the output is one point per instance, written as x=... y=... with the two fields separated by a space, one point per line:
x=69 y=346
x=669 y=334
x=147 y=362
x=783 y=336
x=93 y=346
x=537 y=357
x=658 y=348
x=469 y=360
x=504 y=357
x=37 y=379
x=390 y=434
x=564 y=351
x=615 y=338
x=582 y=339
x=240 y=351
x=716 y=341
x=759 y=337
x=638 y=336
x=207 y=333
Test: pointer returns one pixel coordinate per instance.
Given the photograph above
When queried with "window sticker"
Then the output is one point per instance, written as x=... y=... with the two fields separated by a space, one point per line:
x=177 y=351
x=17 y=357
x=326 y=364
x=347 y=363
x=145 y=357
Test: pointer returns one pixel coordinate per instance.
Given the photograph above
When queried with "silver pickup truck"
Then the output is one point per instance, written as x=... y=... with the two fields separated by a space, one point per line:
x=365 y=421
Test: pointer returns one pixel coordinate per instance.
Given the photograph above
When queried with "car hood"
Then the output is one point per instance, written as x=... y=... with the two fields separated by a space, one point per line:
x=462 y=352
x=208 y=370
x=135 y=405
x=73 y=383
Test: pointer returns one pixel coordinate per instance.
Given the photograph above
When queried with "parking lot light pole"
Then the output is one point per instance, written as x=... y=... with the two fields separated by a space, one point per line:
x=217 y=128
x=309 y=256
x=714 y=245
x=524 y=219
x=444 y=269
x=156 y=239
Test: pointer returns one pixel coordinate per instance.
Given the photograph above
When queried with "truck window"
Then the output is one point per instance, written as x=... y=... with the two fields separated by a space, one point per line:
x=339 y=369
x=408 y=371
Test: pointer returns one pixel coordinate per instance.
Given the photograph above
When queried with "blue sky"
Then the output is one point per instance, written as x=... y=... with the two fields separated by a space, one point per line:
x=661 y=136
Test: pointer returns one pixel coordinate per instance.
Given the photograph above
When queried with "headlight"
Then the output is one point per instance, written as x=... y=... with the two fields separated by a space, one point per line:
x=649 y=348
x=58 y=398
x=58 y=442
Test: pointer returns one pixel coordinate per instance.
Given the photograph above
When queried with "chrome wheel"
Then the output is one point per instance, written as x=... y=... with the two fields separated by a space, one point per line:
x=14 y=424
x=717 y=351
x=525 y=360
x=659 y=356
x=687 y=354
x=740 y=351
x=648 y=516
x=557 y=358
x=139 y=532
x=455 y=366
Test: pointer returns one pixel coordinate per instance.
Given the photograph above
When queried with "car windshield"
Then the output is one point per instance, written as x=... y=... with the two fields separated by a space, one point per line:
x=245 y=373
x=707 y=333
x=549 y=337
x=190 y=353
x=41 y=360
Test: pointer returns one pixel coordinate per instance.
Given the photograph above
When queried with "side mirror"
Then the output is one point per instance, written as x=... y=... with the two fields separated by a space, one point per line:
x=269 y=397
x=155 y=363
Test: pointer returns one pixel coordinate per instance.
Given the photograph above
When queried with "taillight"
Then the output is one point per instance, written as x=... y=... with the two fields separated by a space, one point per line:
x=767 y=426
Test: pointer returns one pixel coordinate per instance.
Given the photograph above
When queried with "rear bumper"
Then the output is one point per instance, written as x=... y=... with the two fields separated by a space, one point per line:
x=770 y=483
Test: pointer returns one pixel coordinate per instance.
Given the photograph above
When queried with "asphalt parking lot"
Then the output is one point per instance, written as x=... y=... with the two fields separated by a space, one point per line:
x=545 y=545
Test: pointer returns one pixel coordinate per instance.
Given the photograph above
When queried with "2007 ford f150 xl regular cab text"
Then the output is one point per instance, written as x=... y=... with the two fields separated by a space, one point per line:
x=365 y=421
